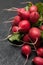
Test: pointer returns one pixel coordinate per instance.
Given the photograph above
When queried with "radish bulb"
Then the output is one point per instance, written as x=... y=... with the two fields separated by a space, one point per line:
x=34 y=33
x=15 y=29
x=26 y=50
x=26 y=38
x=24 y=26
x=37 y=61
x=23 y=13
x=16 y=20
x=41 y=27
x=34 y=16
x=40 y=52
x=33 y=8
x=20 y=11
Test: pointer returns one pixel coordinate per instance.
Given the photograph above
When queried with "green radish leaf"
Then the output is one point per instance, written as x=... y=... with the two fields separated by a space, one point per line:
x=15 y=36
x=30 y=4
x=40 y=8
x=38 y=24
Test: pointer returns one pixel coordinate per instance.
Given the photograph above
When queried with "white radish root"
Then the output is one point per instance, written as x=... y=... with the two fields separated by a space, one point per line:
x=26 y=60
x=11 y=9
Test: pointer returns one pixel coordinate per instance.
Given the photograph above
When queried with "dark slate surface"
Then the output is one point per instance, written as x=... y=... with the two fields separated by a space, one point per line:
x=10 y=55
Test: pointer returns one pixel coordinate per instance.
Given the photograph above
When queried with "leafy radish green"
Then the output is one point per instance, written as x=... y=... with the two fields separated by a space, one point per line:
x=15 y=36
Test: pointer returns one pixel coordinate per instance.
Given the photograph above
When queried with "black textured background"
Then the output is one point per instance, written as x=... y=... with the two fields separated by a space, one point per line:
x=10 y=55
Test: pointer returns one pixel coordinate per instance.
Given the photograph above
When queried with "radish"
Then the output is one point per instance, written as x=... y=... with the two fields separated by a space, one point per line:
x=24 y=26
x=33 y=8
x=37 y=61
x=15 y=29
x=25 y=15
x=16 y=20
x=26 y=38
x=34 y=33
x=40 y=52
x=20 y=11
x=41 y=27
x=34 y=16
x=26 y=50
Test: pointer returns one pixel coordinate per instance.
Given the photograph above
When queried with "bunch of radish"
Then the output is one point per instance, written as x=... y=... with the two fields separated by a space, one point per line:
x=27 y=27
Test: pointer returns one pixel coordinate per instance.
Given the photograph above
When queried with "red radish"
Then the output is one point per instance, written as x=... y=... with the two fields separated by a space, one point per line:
x=40 y=52
x=33 y=8
x=26 y=38
x=25 y=15
x=15 y=29
x=16 y=20
x=38 y=61
x=20 y=10
x=34 y=33
x=26 y=50
x=24 y=26
x=34 y=16
x=41 y=27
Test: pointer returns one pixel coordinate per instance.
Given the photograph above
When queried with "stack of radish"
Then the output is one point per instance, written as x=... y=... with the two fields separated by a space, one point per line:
x=26 y=23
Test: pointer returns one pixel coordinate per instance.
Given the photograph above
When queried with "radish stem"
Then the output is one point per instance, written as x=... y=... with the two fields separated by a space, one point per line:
x=26 y=2
x=9 y=35
x=21 y=44
x=35 y=43
x=11 y=9
x=7 y=22
x=10 y=18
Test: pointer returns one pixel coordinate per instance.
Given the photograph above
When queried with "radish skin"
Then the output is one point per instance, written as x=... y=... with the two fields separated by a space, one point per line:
x=40 y=52
x=37 y=61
